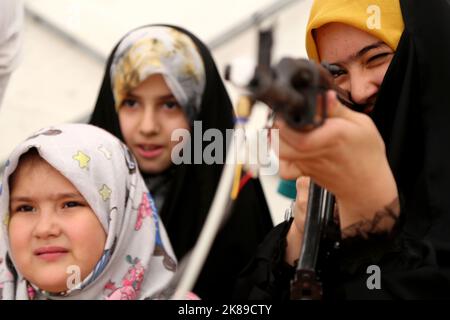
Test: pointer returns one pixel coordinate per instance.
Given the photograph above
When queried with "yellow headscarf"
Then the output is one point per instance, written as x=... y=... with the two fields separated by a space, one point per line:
x=380 y=18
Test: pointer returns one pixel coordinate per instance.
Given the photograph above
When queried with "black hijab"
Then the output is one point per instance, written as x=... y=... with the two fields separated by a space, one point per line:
x=192 y=189
x=412 y=113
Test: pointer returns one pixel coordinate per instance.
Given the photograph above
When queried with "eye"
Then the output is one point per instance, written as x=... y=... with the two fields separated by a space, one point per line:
x=25 y=208
x=378 y=58
x=72 y=204
x=336 y=71
x=129 y=103
x=171 y=105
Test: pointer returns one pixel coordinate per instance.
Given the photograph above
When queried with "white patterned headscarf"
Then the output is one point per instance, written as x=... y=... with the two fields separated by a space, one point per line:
x=138 y=261
x=159 y=50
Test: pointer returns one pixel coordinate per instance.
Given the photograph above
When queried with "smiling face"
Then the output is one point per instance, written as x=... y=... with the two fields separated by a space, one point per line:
x=148 y=115
x=51 y=226
x=361 y=58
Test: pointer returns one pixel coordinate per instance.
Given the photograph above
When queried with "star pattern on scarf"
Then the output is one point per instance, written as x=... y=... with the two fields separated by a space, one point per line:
x=6 y=220
x=83 y=159
x=105 y=192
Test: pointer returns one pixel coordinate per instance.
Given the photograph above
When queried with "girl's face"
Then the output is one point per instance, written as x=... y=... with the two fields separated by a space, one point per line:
x=52 y=229
x=362 y=60
x=148 y=116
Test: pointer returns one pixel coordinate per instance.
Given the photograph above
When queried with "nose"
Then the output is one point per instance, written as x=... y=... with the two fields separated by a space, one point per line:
x=362 y=89
x=47 y=225
x=149 y=124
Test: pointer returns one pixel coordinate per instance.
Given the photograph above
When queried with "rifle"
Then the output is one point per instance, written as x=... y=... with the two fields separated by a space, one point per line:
x=291 y=89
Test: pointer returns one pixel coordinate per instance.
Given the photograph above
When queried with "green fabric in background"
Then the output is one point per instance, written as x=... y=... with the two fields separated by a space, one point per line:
x=287 y=188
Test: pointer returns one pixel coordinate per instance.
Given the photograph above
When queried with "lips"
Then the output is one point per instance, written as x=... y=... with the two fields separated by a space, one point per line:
x=149 y=151
x=50 y=253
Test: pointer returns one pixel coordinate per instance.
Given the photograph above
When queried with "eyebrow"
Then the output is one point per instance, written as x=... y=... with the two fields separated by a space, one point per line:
x=166 y=97
x=159 y=98
x=56 y=196
x=363 y=51
x=131 y=95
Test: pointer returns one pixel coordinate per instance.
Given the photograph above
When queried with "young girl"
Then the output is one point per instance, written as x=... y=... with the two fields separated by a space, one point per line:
x=160 y=78
x=78 y=221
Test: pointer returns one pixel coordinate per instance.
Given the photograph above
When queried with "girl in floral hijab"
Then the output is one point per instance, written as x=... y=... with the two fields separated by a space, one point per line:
x=78 y=221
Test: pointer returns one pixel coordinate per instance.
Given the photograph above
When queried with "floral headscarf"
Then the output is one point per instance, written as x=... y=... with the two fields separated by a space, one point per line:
x=138 y=261
x=159 y=50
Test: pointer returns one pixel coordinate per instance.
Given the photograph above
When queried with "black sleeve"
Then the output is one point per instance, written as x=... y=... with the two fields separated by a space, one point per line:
x=409 y=268
x=267 y=276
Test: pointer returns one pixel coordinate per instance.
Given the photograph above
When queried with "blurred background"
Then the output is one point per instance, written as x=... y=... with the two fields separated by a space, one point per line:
x=66 y=43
